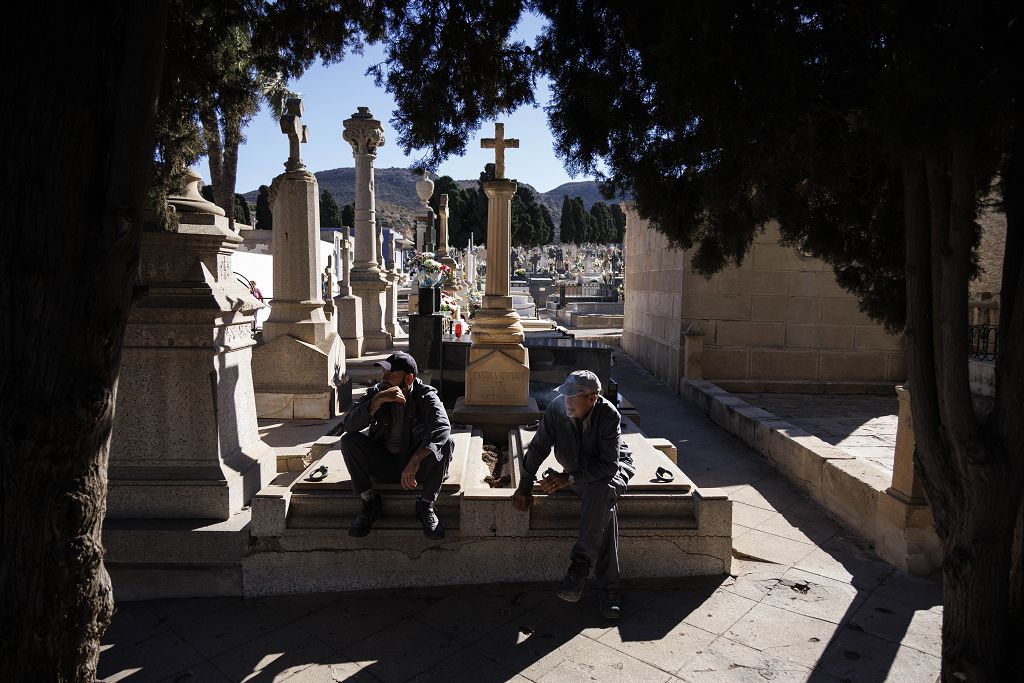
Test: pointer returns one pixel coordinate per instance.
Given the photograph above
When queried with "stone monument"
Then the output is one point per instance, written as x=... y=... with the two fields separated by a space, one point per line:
x=300 y=367
x=186 y=457
x=394 y=277
x=366 y=279
x=426 y=240
x=498 y=371
x=349 y=308
x=442 y=232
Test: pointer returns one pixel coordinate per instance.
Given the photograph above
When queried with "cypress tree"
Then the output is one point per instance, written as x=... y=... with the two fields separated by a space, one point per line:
x=264 y=217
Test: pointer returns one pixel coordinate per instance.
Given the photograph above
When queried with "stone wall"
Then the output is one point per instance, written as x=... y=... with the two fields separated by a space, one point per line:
x=777 y=323
x=990 y=253
x=653 y=301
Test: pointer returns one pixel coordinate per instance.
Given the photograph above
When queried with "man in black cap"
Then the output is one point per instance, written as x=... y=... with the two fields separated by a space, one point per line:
x=408 y=440
x=585 y=430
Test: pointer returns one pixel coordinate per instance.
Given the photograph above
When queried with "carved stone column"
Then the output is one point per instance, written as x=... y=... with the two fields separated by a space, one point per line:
x=499 y=365
x=366 y=134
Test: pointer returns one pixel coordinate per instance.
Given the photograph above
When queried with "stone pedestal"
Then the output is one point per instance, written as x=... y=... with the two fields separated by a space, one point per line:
x=693 y=352
x=372 y=292
x=185 y=442
x=391 y=304
x=349 y=308
x=425 y=340
x=906 y=528
x=498 y=373
x=300 y=367
x=906 y=485
x=350 y=324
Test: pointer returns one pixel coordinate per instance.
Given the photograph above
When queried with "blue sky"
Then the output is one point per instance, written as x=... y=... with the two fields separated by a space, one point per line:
x=331 y=95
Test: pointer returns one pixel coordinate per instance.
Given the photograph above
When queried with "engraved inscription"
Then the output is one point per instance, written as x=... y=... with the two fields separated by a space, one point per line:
x=223 y=268
x=490 y=386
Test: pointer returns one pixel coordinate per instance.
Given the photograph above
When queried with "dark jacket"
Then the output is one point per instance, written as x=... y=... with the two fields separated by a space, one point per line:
x=590 y=454
x=426 y=422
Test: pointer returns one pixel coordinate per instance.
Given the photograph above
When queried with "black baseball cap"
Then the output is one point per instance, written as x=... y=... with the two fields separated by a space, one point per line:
x=399 y=360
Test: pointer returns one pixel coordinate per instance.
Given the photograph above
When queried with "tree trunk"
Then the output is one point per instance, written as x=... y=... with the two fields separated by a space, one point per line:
x=215 y=157
x=232 y=140
x=972 y=481
x=223 y=135
x=1005 y=417
x=73 y=195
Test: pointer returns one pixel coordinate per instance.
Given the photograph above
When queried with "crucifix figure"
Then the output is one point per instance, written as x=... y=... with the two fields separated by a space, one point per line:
x=498 y=143
x=291 y=125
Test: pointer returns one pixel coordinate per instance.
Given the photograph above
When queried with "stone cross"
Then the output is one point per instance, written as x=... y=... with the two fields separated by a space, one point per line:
x=498 y=143
x=291 y=125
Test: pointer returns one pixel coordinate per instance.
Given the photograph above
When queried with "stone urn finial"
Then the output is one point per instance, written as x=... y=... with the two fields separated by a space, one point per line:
x=190 y=200
x=425 y=188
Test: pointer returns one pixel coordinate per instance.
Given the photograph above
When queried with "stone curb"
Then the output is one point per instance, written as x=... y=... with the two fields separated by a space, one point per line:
x=848 y=488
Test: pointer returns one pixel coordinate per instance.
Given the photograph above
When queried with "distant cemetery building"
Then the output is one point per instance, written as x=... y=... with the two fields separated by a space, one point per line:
x=778 y=323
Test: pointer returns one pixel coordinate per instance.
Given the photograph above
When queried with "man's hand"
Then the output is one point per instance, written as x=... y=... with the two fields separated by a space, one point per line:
x=521 y=500
x=391 y=395
x=409 y=474
x=554 y=482
x=412 y=467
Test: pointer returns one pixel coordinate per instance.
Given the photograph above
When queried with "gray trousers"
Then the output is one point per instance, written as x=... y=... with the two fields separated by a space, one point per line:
x=369 y=460
x=598 y=543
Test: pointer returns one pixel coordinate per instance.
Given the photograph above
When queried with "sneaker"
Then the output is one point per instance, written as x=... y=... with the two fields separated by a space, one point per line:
x=572 y=585
x=609 y=601
x=371 y=511
x=432 y=528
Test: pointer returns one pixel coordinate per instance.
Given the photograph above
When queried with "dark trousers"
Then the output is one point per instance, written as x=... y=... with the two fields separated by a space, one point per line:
x=598 y=542
x=369 y=460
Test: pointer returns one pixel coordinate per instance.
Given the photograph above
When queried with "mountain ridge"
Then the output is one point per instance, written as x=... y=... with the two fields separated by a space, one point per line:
x=397 y=201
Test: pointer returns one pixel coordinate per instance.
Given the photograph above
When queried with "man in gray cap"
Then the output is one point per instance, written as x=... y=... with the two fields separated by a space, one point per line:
x=398 y=432
x=584 y=428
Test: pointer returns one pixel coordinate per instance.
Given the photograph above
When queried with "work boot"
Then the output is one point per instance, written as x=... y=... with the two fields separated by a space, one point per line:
x=432 y=528
x=571 y=587
x=371 y=511
x=609 y=602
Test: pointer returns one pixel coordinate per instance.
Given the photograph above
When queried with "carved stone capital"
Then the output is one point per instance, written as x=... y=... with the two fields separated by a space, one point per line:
x=364 y=139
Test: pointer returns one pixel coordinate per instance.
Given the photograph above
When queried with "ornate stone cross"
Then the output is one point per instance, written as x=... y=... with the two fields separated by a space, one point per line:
x=291 y=125
x=498 y=143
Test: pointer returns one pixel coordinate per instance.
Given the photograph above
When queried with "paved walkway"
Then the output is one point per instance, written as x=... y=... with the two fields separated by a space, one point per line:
x=807 y=601
x=863 y=426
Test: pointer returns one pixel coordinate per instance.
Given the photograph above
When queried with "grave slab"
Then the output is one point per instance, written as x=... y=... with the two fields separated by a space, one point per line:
x=666 y=530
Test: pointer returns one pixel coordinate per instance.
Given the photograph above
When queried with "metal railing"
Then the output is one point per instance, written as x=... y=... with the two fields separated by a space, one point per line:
x=589 y=292
x=984 y=342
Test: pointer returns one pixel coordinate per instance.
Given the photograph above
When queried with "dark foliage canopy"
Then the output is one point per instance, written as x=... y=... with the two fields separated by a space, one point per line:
x=716 y=118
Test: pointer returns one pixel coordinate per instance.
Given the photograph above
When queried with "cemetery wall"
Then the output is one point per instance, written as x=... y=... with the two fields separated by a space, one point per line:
x=779 y=322
x=990 y=253
x=653 y=301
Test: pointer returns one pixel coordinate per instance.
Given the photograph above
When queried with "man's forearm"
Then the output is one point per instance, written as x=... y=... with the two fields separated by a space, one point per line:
x=419 y=455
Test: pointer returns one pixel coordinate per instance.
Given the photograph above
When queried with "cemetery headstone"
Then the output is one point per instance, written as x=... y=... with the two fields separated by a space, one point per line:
x=349 y=307
x=299 y=370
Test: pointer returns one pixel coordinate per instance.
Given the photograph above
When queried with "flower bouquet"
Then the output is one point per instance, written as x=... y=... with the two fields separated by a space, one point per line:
x=429 y=272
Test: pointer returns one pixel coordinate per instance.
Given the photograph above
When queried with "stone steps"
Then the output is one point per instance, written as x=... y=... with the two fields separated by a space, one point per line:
x=331 y=504
x=665 y=530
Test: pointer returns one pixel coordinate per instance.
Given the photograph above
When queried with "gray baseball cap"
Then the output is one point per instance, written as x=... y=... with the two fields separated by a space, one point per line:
x=580 y=382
